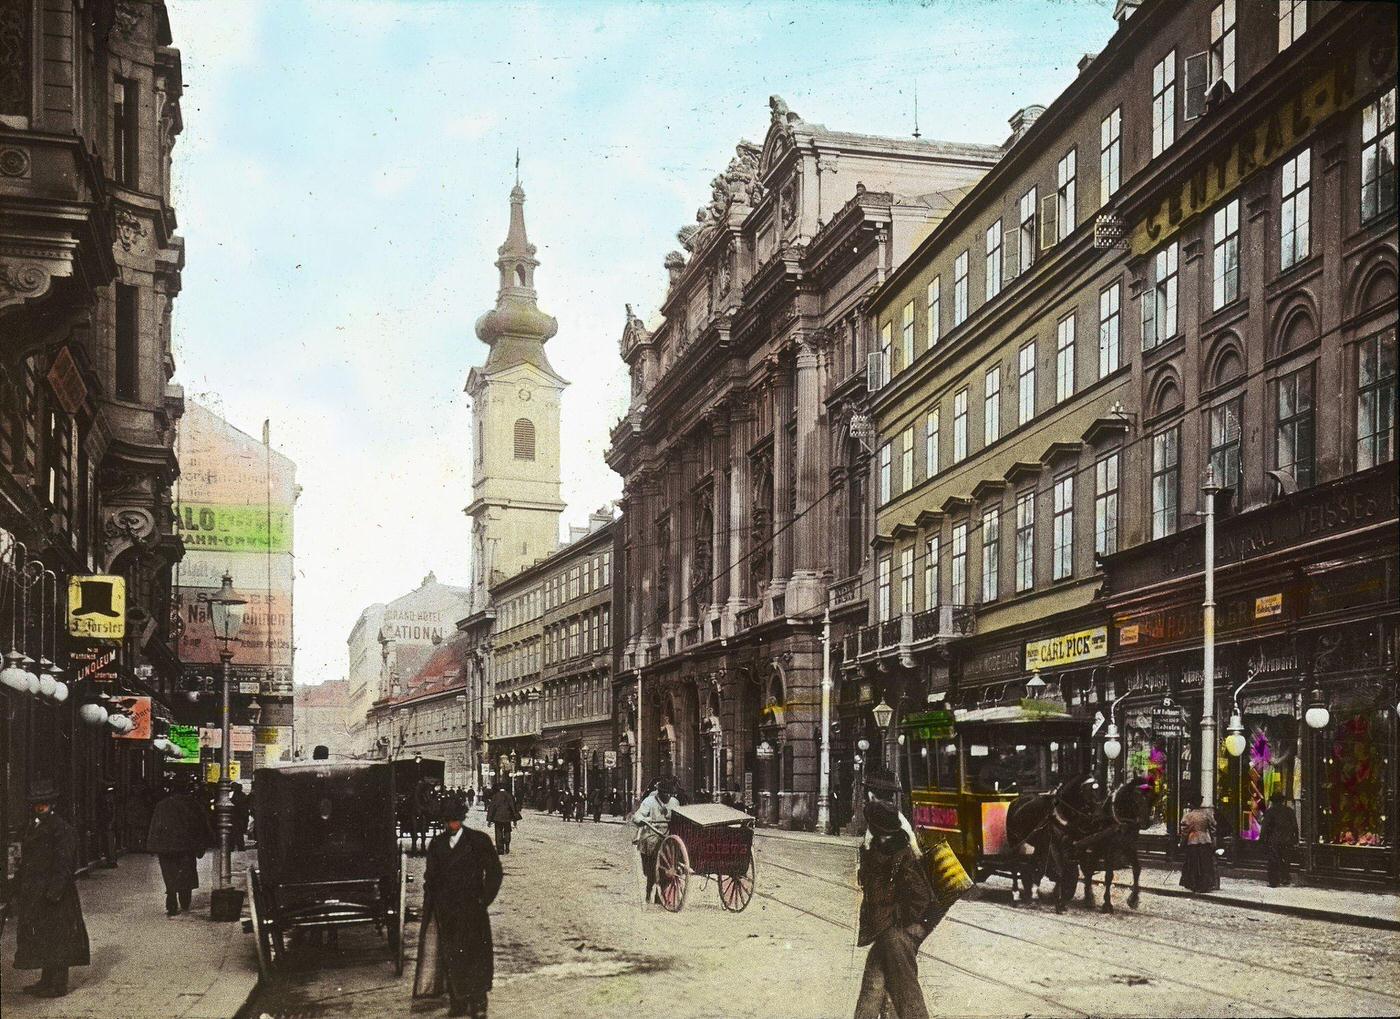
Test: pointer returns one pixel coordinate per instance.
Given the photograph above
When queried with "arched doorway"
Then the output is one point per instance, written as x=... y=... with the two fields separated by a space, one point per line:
x=771 y=747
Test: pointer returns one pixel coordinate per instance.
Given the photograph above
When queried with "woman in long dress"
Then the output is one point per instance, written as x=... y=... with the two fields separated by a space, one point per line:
x=1198 y=833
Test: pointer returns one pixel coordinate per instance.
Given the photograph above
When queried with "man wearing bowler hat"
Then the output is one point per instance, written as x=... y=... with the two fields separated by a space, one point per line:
x=50 y=934
x=895 y=896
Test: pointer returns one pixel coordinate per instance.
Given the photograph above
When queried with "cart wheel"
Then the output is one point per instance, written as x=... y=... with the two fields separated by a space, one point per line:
x=262 y=934
x=396 y=924
x=672 y=873
x=735 y=892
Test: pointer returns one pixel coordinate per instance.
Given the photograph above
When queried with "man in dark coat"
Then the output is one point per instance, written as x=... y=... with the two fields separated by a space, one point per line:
x=107 y=824
x=895 y=896
x=462 y=877
x=240 y=816
x=503 y=813
x=50 y=935
x=1278 y=834
x=179 y=835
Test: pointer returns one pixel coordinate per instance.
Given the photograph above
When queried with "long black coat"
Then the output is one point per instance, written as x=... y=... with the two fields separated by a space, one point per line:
x=50 y=931
x=455 y=939
x=894 y=890
x=179 y=824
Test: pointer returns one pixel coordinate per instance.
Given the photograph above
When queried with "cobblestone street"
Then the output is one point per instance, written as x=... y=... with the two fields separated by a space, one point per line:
x=573 y=939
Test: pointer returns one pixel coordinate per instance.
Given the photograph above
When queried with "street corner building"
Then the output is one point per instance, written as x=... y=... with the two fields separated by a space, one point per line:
x=1180 y=273
x=745 y=501
x=90 y=266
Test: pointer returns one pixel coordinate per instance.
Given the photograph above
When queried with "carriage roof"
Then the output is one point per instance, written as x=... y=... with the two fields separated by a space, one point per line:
x=711 y=814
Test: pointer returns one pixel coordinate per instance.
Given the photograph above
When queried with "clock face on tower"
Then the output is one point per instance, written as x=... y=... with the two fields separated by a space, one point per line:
x=524 y=393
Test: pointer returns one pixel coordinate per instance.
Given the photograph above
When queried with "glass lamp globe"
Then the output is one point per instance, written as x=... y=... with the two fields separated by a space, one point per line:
x=160 y=743
x=60 y=691
x=1316 y=715
x=46 y=685
x=93 y=714
x=863 y=744
x=31 y=678
x=1235 y=742
x=12 y=675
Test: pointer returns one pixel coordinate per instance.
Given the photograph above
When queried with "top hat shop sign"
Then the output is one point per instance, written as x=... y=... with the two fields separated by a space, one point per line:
x=97 y=607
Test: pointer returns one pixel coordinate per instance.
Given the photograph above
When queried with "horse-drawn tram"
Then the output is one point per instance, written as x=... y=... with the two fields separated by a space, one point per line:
x=965 y=768
x=328 y=855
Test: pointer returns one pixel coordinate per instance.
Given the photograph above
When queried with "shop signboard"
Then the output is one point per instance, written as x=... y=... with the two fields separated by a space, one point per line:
x=930 y=725
x=211 y=738
x=97 y=607
x=186 y=737
x=241 y=739
x=97 y=663
x=211 y=771
x=139 y=709
x=1169 y=721
x=610 y=758
x=1040 y=706
x=1067 y=648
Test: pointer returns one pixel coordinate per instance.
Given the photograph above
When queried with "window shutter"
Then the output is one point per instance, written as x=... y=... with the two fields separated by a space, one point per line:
x=1047 y=222
x=1197 y=70
x=1149 y=317
x=1011 y=254
x=872 y=372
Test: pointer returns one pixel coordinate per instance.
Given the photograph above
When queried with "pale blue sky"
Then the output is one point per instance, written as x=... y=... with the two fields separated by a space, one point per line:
x=342 y=184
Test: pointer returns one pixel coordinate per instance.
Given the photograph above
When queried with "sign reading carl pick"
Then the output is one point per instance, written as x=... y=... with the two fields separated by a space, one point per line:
x=97 y=607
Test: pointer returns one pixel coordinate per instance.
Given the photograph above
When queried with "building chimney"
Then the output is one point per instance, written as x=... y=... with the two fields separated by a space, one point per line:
x=1086 y=60
x=1125 y=10
x=1021 y=121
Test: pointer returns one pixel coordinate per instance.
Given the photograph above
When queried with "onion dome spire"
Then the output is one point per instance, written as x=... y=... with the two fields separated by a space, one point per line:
x=516 y=329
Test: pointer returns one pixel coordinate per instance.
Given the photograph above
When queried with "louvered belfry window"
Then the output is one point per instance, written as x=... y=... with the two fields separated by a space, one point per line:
x=524 y=439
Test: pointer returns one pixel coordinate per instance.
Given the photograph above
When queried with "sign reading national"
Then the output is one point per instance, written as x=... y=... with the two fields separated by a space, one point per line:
x=1080 y=646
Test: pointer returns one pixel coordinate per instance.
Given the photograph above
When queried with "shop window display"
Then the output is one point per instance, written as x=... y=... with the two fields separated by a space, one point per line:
x=1266 y=767
x=1356 y=780
x=1147 y=759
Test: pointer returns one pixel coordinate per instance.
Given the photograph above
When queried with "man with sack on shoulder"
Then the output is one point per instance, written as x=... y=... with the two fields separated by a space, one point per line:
x=895 y=898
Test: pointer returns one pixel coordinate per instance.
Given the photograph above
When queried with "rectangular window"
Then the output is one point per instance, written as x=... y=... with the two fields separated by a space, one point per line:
x=1025 y=541
x=1226 y=276
x=1375 y=401
x=127 y=360
x=960 y=289
x=607 y=626
x=1106 y=505
x=1065 y=208
x=931 y=573
x=1222 y=43
x=1225 y=443
x=1062 y=559
x=1110 y=154
x=882 y=588
x=1292 y=22
x=991 y=553
x=1293 y=432
x=991 y=407
x=906 y=579
x=1159 y=299
x=906 y=335
x=124 y=137
x=1026 y=231
x=886 y=353
x=885 y=455
x=1064 y=360
x=607 y=569
x=935 y=311
x=1295 y=212
x=931 y=442
x=994 y=263
x=1109 y=346
x=906 y=459
x=1164 y=104
x=960 y=426
x=1166 y=481
x=960 y=564
x=1378 y=157
x=1025 y=386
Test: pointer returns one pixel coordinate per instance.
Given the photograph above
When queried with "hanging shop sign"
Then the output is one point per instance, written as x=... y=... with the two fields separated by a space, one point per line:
x=186 y=737
x=139 y=710
x=610 y=758
x=1168 y=720
x=97 y=607
x=1269 y=605
x=1067 y=648
x=97 y=663
x=929 y=725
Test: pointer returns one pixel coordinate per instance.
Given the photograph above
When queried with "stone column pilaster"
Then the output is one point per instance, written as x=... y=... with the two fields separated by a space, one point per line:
x=719 y=545
x=805 y=588
x=740 y=521
x=782 y=479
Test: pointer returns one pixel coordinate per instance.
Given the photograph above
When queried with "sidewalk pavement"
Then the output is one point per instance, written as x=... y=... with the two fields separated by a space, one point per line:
x=1378 y=909
x=143 y=962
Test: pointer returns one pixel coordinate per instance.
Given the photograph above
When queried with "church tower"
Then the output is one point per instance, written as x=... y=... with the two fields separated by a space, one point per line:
x=515 y=395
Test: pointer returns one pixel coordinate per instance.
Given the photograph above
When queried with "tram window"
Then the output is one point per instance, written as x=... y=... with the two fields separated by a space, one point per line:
x=932 y=765
x=977 y=750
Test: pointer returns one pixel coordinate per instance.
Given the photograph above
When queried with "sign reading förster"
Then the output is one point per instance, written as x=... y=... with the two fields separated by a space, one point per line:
x=97 y=607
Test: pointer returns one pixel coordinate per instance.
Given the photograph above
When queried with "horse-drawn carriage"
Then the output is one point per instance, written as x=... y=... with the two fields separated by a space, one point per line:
x=708 y=840
x=328 y=856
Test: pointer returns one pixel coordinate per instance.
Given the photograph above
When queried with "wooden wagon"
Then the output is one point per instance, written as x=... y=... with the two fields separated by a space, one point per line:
x=708 y=840
x=328 y=856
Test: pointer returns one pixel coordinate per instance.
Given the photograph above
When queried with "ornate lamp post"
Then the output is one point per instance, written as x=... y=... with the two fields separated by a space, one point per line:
x=226 y=614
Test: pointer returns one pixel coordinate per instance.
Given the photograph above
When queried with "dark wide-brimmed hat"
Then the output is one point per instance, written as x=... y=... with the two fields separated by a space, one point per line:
x=452 y=811
x=43 y=791
x=881 y=818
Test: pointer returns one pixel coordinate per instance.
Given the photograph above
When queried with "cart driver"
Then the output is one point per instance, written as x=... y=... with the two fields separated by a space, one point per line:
x=651 y=819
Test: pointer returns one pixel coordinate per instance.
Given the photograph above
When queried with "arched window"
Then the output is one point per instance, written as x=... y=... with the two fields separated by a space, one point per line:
x=521 y=280
x=524 y=439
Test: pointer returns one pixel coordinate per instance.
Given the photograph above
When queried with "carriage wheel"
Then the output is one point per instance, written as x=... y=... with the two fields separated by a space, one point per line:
x=672 y=873
x=396 y=925
x=262 y=934
x=735 y=892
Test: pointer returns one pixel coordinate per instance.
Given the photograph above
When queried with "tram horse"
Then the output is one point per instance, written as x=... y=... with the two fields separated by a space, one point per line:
x=1070 y=830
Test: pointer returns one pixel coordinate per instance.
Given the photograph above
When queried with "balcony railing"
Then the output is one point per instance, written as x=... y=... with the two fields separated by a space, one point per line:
x=746 y=618
x=943 y=622
x=889 y=633
x=847 y=591
x=690 y=637
x=869 y=639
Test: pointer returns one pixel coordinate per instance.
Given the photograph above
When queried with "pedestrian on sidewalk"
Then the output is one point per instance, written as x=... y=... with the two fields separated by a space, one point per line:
x=471 y=796
x=178 y=836
x=595 y=804
x=50 y=935
x=895 y=896
x=1278 y=834
x=883 y=787
x=107 y=824
x=503 y=814
x=1198 y=828
x=456 y=953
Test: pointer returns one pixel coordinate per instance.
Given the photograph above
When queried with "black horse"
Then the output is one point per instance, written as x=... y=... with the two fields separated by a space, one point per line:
x=1113 y=842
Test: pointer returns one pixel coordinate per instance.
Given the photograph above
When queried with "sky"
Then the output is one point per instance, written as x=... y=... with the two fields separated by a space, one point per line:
x=342 y=185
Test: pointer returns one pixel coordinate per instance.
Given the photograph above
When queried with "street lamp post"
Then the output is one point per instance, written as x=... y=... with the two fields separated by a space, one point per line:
x=824 y=788
x=1207 y=763
x=226 y=615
